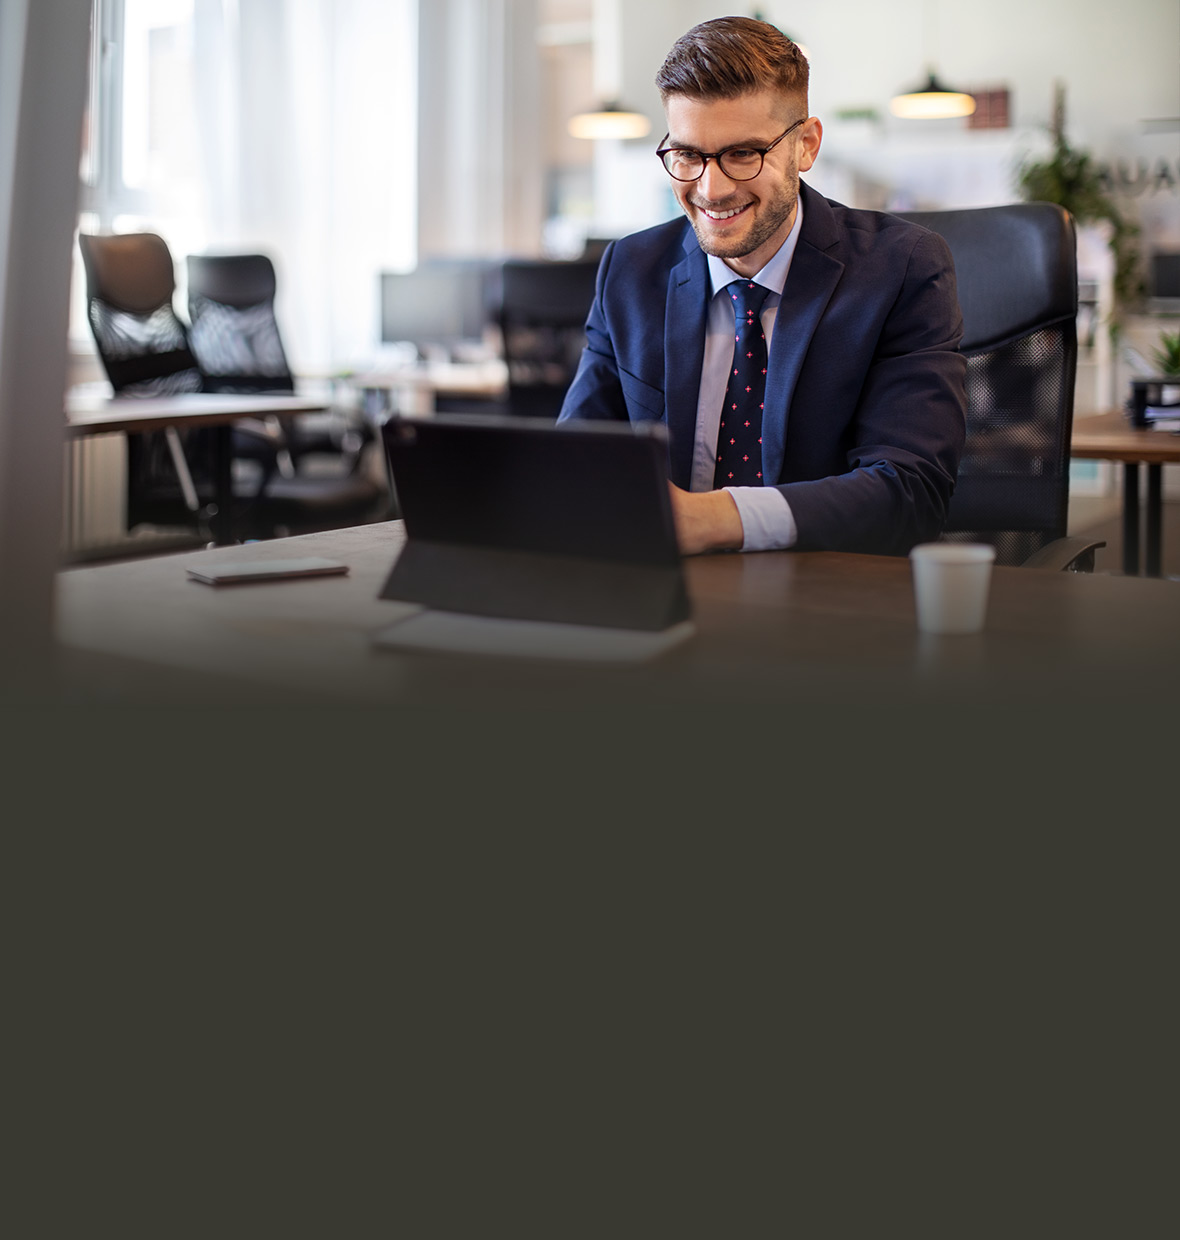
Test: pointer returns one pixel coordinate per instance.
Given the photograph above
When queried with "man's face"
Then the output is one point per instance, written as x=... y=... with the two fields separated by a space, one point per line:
x=743 y=222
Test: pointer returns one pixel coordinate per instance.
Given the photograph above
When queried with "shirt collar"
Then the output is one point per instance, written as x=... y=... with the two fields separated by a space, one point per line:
x=774 y=275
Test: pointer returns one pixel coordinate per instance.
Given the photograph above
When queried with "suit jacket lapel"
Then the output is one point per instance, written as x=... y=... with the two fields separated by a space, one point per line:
x=684 y=353
x=810 y=283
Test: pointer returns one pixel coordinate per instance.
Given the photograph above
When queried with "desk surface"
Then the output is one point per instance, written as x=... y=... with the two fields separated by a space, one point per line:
x=478 y=379
x=1111 y=437
x=89 y=413
x=771 y=628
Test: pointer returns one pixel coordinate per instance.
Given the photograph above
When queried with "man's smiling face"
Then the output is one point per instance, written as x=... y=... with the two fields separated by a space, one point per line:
x=742 y=222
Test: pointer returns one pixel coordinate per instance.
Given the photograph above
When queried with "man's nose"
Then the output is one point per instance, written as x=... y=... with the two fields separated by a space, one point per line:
x=713 y=183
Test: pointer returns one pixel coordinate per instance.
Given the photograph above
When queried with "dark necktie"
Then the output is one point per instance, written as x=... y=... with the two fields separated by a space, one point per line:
x=739 y=438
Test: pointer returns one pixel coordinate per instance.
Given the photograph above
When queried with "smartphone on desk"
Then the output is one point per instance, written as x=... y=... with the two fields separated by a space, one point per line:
x=265 y=570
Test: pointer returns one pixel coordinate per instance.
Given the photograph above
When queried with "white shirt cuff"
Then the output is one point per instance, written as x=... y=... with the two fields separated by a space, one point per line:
x=768 y=524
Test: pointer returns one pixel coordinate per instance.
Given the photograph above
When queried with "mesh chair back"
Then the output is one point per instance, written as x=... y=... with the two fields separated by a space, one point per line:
x=144 y=349
x=143 y=345
x=542 y=318
x=233 y=332
x=1016 y=268
x=235 y=336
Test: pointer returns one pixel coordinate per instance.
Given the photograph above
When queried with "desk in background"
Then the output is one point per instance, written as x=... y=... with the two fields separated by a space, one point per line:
x=89 y=413
x=772 y=629
x=421 y=388
x=1111 y=437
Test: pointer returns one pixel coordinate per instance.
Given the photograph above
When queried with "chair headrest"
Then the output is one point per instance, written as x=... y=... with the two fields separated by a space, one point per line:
x=237 y=280
x=130 y=271
x=1016 y=267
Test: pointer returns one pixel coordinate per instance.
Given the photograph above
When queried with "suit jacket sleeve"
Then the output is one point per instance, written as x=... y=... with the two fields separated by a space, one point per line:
x=596 y=391
x=908 y=421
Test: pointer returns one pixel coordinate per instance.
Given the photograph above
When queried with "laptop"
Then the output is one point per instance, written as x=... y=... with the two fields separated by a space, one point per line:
x=516 y=520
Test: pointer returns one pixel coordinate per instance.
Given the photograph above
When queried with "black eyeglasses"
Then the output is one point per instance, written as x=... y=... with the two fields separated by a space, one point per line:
x=739 y=163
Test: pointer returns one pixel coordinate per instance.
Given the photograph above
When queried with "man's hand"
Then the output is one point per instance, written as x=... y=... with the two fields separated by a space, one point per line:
x=705 y=521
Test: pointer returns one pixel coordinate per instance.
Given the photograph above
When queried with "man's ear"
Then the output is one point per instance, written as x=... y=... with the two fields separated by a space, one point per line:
x=810 y=137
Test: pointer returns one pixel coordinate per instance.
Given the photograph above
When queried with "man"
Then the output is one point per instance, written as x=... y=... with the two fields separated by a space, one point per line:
x=850 y=320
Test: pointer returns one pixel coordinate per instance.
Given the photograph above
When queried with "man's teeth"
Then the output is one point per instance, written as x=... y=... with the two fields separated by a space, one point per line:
x=722 y=215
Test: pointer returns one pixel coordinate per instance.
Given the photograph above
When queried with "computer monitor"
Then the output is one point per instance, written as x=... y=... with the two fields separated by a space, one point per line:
x=1164 y=282
x=442 y=305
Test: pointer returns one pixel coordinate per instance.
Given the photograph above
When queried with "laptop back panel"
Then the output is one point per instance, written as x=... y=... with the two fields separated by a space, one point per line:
x=513 y=518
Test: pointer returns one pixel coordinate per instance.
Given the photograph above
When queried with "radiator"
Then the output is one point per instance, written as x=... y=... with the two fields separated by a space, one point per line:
x=93 y=498
x=94 y=506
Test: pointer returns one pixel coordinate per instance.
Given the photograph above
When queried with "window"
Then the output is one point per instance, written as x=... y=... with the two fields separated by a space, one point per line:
x=287 y=129
x=141 y=153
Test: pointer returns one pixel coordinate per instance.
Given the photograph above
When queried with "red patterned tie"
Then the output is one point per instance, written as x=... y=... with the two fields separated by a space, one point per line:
x=739 y=438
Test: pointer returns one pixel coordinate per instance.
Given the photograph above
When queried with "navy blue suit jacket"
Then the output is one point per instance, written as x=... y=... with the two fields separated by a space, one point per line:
x=865 y=409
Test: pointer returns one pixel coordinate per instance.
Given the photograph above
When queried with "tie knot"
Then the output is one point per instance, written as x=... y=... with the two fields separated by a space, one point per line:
x=747 y=298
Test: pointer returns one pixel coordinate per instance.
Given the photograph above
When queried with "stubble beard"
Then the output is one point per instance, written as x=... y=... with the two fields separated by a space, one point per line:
x=772 y=215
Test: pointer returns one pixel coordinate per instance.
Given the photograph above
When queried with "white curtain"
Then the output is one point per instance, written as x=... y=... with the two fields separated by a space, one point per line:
x=342 y=138
x=480 y=168
x=308 y=126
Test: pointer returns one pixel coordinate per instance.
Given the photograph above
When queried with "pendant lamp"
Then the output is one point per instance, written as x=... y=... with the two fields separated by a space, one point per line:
x=933 y=100
x=611 y=121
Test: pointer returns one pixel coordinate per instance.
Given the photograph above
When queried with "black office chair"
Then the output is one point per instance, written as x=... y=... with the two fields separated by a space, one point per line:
x=542 y=320
x=144 y=349
x=235 y=336
x=236 y=340
x=233 y=331
x=1016 y=267
x=147 y=350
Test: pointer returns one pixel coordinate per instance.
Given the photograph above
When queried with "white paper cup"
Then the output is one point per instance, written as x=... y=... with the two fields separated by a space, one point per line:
x=951 y=584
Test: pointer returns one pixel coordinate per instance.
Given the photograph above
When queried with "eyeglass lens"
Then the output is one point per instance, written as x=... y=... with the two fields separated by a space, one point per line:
x=738 y=163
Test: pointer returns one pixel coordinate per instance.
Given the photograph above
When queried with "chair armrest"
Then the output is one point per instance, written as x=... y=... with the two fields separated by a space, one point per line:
x=1074 y=555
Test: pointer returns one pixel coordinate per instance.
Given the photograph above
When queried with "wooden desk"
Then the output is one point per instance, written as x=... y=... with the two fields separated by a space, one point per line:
x=89 y=413
x=1111 y=437
x=771 y=629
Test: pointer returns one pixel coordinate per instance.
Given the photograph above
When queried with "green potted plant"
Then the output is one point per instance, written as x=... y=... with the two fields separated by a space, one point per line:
x=1167 y=355
x=1072 y=179
x=1155 y=397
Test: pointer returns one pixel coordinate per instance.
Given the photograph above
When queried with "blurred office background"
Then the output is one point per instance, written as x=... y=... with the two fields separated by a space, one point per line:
x=363 y=144
x=350 y=137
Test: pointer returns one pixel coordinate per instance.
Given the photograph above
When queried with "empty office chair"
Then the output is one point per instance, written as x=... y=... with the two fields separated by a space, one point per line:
x=1016 y=267
x=233 y=331
x=144 y=349
x=542 y=319
x=235 y=336
x=236 y=340
x=141 y=342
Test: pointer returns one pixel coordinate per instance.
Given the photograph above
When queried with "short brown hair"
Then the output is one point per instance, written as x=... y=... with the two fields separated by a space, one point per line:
x=732 y=56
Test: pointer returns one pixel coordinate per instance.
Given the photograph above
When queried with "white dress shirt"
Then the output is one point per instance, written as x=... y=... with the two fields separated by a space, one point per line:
x=767 y=520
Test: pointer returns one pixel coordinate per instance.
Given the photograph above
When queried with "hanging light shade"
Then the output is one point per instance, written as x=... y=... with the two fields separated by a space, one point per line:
x=612 y=121
x=931 y=101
